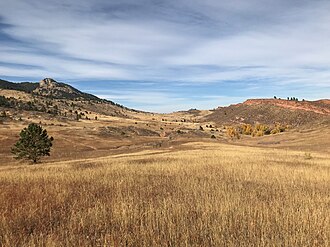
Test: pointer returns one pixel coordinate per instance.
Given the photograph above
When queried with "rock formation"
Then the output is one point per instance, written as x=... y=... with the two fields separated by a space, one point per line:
x=48 y=83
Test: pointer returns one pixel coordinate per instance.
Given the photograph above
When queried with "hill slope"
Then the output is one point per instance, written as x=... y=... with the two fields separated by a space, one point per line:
x=61 y=99
x=56 y=98
x=27 y=87
x=269 y=111
x=50 y=88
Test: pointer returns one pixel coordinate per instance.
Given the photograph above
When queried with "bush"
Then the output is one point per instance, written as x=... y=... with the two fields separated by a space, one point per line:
x=260 y=130
x=275 y=131
x=256 y=130
x=247 y=129
x=257 y=133
x=232 y=132
x=33 y=143
x=4 y=101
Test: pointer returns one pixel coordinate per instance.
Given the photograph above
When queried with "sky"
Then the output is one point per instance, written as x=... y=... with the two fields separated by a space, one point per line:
x=170 y=55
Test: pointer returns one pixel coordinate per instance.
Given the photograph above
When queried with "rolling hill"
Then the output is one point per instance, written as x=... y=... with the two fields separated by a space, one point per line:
x=56 y=98
x=61 y=99
x=270 y=111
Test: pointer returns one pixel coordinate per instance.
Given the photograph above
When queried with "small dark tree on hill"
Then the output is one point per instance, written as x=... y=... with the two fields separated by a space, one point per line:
x=33 y=143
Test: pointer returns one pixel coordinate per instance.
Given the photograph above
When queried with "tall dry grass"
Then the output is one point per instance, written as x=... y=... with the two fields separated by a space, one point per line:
x=218 y=195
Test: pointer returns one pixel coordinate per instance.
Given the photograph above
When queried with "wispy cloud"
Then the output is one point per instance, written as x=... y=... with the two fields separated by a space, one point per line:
x=242 y=45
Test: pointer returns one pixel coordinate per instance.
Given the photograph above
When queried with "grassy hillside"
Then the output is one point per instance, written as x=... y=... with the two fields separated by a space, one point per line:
x=208 y=195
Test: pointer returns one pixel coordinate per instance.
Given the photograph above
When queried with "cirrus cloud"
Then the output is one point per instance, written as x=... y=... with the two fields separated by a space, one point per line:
x=238 y=47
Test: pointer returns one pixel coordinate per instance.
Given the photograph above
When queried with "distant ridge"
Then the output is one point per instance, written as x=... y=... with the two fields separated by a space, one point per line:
x=270 y=111
x=318 y=106
x=49 y=87
x=27 y=87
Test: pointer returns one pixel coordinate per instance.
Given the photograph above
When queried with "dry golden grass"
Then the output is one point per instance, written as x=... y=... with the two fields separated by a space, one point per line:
x=218 y=195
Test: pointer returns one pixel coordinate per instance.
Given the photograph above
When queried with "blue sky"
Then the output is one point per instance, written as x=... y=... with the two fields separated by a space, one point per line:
x=170 y=55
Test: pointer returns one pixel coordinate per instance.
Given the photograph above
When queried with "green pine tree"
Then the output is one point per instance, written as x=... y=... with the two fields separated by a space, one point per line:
x=33 y=143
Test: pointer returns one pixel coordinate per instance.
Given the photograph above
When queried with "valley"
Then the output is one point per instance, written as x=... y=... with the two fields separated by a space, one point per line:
x=123 y=177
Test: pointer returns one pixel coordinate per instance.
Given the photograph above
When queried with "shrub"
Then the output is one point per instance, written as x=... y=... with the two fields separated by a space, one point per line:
x=278 y=129
x=308 y=156
x=257 y=133
x=260 y=130
x=275 y=131
x=232 y=132
x=4 y=101
x=247 y=129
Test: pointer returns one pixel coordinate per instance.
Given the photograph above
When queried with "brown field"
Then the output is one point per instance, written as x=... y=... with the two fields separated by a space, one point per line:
x=158 y=180
x=199 y=194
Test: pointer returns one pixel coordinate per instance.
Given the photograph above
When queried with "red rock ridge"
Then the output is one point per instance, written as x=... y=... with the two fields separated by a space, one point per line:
x=319 y=106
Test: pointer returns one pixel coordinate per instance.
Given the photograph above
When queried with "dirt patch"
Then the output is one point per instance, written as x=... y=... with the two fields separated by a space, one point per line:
x=126 y=131
x=269 y=143
x=84 y=166
x=145 y=161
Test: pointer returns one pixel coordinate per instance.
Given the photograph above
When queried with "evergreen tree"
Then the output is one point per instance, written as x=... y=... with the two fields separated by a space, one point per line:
x=33 y=143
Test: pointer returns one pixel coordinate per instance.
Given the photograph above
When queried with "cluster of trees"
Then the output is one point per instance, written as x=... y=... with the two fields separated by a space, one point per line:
x=4 y=101
x=27 y=106
x=81 y=115
x=256 y=130
x=233 y=132
x=41 y=106
x=290 y=98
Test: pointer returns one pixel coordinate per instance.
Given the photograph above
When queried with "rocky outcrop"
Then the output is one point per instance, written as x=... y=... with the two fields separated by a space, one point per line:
x=48 y=87
x=48 y=83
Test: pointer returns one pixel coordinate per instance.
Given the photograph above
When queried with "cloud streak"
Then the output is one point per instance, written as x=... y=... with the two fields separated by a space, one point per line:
x=277 y=45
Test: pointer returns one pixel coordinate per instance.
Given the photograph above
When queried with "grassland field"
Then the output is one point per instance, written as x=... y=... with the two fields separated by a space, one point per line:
x=206 y=194
x=137 y=182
